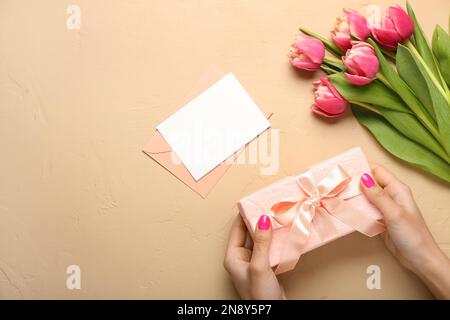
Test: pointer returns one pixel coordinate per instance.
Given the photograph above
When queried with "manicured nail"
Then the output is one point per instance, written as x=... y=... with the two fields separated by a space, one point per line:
x=264 y=222
x=367 y=180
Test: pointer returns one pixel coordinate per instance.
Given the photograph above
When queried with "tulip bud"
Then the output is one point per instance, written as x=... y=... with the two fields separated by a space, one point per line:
x=307 y=53
x=361 y=63
x=395 y=28
x=350 y=24
x=327 y=100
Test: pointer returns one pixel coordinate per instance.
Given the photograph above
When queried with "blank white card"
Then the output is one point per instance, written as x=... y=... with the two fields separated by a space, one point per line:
x=214 y=125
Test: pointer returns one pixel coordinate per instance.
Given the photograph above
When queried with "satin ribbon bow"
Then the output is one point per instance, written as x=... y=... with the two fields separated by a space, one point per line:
x=320 y=204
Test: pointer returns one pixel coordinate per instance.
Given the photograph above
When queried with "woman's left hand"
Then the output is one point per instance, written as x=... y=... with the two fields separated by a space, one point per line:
x=250 y=269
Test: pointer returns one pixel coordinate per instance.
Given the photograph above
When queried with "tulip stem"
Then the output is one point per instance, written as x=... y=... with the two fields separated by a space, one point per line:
x=330 y=45
x=383 y=79
x=332 y=59
x=333 y=62
x=327 y=69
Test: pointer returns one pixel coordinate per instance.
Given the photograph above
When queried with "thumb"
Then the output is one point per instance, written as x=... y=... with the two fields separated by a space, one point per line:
x=380 y=198
x=261 y=244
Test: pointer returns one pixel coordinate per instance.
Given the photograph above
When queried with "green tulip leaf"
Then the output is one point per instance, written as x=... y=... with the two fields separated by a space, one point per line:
x=407 y=95
x=409 y=126
x=428 y=90
x=441 y=50
x=399 y=86
x=400 y=146
x=422 y=45
x=389 y=106
x=374 y=93
x=409 y=71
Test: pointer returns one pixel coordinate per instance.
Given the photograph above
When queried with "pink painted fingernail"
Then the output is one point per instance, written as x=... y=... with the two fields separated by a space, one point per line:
x=264 y=222
x=367 y=180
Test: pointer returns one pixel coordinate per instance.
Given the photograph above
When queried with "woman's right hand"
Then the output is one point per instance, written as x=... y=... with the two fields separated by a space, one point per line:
x=407 y=236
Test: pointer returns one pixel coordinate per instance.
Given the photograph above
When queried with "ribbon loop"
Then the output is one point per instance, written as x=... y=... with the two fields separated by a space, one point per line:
x=334 y=183
x=307 y=182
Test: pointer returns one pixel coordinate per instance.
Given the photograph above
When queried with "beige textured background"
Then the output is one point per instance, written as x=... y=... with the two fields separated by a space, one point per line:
x=77 y=106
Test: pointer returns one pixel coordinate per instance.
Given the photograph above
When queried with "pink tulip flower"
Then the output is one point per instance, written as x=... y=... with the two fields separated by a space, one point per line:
x=361 y=63
x=395 y=28
x=350 y=24
x=328 y=102
x=307 y=53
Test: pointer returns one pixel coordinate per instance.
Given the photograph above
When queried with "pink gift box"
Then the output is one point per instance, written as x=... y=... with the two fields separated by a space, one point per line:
x=353 y=162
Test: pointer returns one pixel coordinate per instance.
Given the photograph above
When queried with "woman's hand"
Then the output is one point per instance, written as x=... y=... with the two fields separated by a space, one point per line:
x=249 y=269
x=407 y=236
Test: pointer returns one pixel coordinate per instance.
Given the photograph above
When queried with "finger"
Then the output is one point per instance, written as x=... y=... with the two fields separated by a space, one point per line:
x=237 y=233
x=261 y=244
x=383 y=176
x=248 y=242
x=380 y=198
x=399 y=192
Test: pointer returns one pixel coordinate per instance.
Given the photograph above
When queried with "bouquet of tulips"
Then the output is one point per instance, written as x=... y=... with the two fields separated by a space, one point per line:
x=395 y=83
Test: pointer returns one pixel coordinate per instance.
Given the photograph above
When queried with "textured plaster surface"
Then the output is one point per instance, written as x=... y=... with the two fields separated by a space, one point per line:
x=77 y=106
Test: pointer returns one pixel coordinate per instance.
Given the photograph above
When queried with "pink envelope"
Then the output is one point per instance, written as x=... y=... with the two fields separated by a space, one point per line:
x=158 y=149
